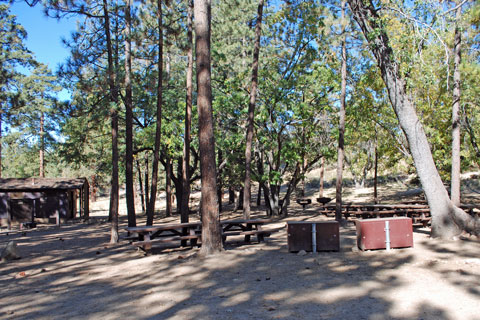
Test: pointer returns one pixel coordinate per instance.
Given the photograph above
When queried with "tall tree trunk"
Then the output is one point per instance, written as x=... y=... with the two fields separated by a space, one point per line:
x=322 y=173
x=42 y=144
x=211 y=230
x=114 y=197
x=266 y=198
x=178 y=182
x=259 y=195
x=147 y=183
x=129 y=195
x=158 y=130
x=140 y=184
x=168 y=159
x=304 y=163
x=292 y=185
x=168 y=185
x=447 y=219
x=455 y=175
x=231 y=195
x=219 y=181
x=238 y=201
x=247 y=193
x=341 y=122
x=1 y=139
x=93 y=188
x=184 y=205
x=375 y=176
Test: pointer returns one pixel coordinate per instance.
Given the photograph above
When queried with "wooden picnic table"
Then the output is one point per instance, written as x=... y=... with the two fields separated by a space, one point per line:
x=145 y=236
x=371 y=210
x=246 y=228
x=378 y=207
x=162 y=233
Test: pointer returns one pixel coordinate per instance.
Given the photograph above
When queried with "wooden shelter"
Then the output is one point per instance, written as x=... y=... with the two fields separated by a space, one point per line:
x=42 y=200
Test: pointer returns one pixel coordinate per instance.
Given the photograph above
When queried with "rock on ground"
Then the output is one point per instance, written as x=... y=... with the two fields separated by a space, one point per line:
x=10 y=252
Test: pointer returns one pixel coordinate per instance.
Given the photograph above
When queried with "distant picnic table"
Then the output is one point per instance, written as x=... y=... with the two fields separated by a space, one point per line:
x=145 y=236
x=419 y=212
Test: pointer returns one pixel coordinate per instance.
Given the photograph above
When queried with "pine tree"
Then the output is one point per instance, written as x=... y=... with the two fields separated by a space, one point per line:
x=36 y=118
x=251 y=113
x=13 y=53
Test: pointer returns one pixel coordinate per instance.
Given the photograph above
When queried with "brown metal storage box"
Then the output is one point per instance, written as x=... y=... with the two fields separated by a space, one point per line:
x=372 y=233
x=301 y=235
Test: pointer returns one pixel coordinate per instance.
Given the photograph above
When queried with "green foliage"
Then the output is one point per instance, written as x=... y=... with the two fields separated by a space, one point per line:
x=298 y=93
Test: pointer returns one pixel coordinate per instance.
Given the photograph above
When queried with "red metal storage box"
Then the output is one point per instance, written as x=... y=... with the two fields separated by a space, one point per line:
x=375 y=233
x=304 y=235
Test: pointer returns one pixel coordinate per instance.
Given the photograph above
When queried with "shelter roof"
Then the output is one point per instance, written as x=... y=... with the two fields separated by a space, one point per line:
x=37 y=184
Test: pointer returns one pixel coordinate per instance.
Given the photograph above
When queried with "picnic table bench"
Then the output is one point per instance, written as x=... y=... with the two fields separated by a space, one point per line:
x=144 y=236
x=246 y=228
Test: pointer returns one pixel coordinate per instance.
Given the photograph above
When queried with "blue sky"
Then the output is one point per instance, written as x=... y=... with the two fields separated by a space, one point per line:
x=45 y=35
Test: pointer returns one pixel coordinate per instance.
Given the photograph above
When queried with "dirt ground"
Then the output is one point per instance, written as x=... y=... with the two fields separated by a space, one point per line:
x=72 y=272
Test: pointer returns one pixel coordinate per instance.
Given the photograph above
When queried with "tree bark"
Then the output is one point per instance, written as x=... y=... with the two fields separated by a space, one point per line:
x=178 y=182
x=93 y=188
x=447 y=219
x=184 y=205
x=158 y=130
x=341 y=123
x=304 y=163
x=42 y=145
x=239 y=201
x=1 y=139
x=322 y=173
x=260 y=187
x=140 y=184
x=168 y=186
x=211 y=230
x=146 y=180
x=231 y=195
x=455 y=175
x=375 y=176
x=129 y=195
x=219 y=181
x=247 y=190
x=113 y=96
x=259 y=195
